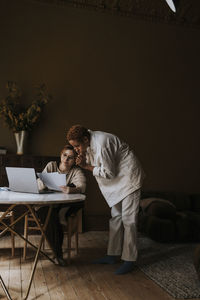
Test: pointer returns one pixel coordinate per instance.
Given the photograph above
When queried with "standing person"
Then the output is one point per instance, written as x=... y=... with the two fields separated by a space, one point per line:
x=75 y=183
x=119 y=176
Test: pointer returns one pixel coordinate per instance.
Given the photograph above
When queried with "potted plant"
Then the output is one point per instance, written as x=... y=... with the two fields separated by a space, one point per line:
x=17 y=117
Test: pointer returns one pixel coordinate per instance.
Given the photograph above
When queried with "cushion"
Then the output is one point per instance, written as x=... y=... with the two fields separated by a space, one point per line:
x=182 y=227
x=161 y=230
x=158 y=207
x=182 y=201
x=194 y=223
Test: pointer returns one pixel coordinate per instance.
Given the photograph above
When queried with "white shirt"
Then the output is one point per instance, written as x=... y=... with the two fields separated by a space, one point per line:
x=116 y=168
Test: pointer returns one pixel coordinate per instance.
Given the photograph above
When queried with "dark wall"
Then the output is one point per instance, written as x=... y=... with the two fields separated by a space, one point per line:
x=137 y=79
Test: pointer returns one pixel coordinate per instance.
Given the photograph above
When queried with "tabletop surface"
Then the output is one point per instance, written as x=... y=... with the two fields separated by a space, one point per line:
x=8 y=197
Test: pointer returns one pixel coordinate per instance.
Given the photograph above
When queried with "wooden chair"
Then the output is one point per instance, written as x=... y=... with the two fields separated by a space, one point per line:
x=29 y=225
x=9 y=217
x=72 y=228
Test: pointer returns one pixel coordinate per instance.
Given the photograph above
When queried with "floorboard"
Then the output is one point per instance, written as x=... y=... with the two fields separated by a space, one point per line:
x=80 y=280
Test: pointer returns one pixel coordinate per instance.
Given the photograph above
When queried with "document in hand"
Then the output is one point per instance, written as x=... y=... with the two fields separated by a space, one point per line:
x=53 y=180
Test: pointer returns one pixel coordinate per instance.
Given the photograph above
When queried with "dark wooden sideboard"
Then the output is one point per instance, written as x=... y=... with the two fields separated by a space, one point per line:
x=25 y=161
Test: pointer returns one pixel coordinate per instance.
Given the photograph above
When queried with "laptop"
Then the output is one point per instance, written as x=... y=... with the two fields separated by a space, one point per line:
x=23 y=180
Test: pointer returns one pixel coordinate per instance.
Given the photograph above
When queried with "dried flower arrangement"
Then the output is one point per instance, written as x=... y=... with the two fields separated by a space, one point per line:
x=15 y=115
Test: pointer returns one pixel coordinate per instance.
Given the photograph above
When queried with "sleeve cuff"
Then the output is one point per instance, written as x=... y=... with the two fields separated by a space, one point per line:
x=96 y=171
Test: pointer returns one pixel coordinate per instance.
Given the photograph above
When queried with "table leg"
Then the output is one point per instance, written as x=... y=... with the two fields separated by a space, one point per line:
x=34 y=267
x=8 y=209
x=5 y=289
x=13 y=223
x=9 y=227
x=43 y=229
x=43 y=235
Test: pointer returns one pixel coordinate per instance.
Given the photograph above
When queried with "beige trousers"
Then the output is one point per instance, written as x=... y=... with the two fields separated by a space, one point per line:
x=123 y=228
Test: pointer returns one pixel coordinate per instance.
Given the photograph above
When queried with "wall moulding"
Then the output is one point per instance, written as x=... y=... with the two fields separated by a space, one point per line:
x=187 y=11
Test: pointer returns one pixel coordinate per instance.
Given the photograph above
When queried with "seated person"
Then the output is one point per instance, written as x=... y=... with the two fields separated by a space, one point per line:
x=75 y=183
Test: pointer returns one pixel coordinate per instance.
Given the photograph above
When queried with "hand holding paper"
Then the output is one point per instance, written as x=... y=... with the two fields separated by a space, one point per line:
x=53 y=180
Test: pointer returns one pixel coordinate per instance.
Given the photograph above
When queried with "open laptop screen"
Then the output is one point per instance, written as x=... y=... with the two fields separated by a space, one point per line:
x=22 y=180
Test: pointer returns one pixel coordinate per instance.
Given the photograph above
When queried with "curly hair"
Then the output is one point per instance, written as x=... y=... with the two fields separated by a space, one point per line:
x=78 y=132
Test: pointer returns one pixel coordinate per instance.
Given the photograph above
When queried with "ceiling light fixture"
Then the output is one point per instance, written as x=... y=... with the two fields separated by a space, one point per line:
x=171 y=5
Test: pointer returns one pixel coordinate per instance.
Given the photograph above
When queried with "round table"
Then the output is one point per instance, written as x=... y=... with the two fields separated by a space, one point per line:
x=31 y=202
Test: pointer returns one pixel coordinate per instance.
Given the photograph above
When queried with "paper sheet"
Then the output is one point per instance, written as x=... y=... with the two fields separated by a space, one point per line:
x=53 y=180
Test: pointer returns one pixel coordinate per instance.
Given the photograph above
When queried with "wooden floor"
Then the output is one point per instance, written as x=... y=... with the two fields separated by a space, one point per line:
x=81 y=280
